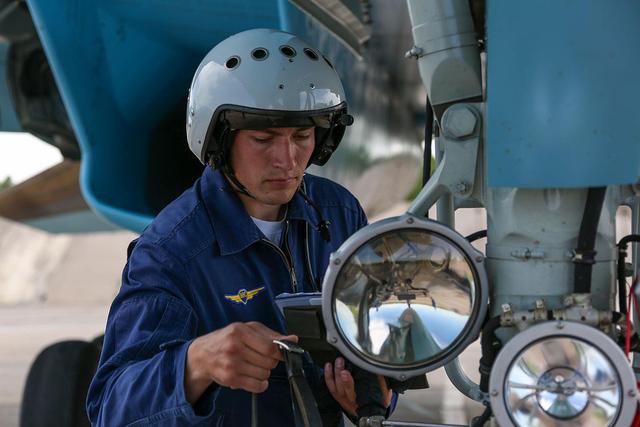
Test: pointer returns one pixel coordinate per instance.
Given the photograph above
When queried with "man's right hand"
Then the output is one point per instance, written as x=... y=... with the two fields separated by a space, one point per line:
x=238 y=356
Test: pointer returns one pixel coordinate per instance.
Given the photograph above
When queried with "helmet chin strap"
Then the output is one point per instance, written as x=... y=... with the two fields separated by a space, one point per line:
x=231 y=176
x=323 y=225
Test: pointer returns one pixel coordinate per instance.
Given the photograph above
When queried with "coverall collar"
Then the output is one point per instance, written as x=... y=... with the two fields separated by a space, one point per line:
x=232 y=225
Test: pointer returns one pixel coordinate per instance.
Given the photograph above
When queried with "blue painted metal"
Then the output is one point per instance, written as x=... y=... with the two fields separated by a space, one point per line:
x=116 y=65
x=8 y=118
x=563 y=93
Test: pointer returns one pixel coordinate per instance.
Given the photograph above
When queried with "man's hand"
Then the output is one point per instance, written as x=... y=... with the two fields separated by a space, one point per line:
x=238 y=356
x=342 y=387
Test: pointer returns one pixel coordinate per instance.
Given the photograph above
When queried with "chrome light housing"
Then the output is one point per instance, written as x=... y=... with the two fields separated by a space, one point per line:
x=404 y=296
x=562 y=374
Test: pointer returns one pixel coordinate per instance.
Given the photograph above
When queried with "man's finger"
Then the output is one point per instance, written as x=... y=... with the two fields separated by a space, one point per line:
x=249 y=384
x=337 y=374
x=260 y=338
x=348 y=385
x=328 y=378
x=387 y=394
x=253 y=371
x=260 y=341
x=270 y=333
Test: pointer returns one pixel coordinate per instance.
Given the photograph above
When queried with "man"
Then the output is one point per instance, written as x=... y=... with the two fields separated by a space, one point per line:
x=189 y=336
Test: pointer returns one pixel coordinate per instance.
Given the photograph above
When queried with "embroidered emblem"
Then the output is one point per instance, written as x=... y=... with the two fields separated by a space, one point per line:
x=244 y=295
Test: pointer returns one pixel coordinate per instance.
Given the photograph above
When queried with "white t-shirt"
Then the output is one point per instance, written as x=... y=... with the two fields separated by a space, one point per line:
x=271 y=229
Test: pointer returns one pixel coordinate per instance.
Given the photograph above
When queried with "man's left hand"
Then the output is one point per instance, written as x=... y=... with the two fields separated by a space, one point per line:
x=342 y=387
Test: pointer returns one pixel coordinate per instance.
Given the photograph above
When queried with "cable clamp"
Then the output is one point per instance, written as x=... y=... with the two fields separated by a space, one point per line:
x=583 y=256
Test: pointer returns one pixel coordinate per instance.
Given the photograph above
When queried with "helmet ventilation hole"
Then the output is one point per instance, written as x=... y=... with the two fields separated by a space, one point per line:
x=259 y=54
x=288 y=51
x=311 y=54
x=312 y=86
x=280 y=86
x=232 y=62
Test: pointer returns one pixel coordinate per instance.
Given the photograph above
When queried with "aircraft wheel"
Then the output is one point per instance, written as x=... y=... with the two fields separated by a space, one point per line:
x=57 y=384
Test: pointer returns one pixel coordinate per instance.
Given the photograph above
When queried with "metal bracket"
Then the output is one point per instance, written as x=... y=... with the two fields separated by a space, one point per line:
x=463 y=383
x=456 y=172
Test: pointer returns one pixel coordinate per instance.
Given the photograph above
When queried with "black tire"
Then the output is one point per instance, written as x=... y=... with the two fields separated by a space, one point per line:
x=57 y=384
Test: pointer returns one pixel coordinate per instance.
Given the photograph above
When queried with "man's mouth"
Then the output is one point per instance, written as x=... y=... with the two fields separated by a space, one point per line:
x=281 y=180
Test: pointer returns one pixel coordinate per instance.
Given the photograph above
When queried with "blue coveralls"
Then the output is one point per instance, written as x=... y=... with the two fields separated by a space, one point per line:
x=184 y=278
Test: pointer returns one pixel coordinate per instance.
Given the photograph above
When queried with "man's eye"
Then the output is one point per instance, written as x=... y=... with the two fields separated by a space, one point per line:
x=261 y=140
x=303 y=136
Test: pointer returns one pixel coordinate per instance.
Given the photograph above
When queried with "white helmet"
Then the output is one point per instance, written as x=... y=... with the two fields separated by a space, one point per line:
x=259 y=79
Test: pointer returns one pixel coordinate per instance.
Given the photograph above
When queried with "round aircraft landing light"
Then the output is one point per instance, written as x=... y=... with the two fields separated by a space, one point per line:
x=404 y=296
x=562 y=374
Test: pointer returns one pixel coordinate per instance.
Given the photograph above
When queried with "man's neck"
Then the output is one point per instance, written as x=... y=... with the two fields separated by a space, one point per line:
x=260 y=210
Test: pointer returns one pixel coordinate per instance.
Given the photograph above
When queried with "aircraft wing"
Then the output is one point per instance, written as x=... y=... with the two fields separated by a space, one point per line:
x=107 y=83
x=350 y=25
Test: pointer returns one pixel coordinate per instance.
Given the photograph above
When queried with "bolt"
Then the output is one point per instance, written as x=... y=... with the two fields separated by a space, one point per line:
x=459 y=121
x=333 y=340
x=494 y=392
x=403 y=377
x=337 y=261
x=414 y=52
x=462 y=187
x=409 y=220
x=632 y=393
x=479 y=258
x=506 y=308
x=560 y=325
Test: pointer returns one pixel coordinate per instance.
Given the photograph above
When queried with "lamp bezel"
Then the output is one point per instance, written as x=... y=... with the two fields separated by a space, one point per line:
x=405 y=222
x=562 y=329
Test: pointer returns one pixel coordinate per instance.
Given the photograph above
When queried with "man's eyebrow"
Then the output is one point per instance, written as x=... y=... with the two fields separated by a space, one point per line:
x=274 y=131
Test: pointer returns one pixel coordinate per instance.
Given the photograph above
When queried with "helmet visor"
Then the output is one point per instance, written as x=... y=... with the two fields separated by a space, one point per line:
x=248 y=120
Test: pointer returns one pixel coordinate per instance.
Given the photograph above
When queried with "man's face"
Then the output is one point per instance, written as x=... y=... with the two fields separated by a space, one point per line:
x=270 y=163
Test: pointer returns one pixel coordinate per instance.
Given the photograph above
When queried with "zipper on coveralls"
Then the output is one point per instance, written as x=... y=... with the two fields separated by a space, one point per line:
x=286 y=256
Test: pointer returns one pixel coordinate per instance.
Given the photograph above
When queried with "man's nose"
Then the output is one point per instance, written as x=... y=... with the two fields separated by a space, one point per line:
x=285 y=156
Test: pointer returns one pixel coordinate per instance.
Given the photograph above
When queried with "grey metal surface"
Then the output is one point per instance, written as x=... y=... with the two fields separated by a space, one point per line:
x=446 y=48
x=545 y=224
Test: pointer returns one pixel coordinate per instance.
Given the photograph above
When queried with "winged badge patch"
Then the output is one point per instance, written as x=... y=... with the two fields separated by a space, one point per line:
x=244 y=295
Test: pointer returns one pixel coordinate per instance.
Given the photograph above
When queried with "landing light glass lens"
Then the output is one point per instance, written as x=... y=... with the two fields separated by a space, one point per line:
x=404 y=297
x=562 y=382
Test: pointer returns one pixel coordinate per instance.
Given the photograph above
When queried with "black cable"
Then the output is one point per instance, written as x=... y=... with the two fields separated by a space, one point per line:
x=316 y=285
x=584 y=254
x=323 y=225
x=622 y=283
x=479 y=422
x=426 y=155
x=477 y=235
x=428 y=134
x=488 y=344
